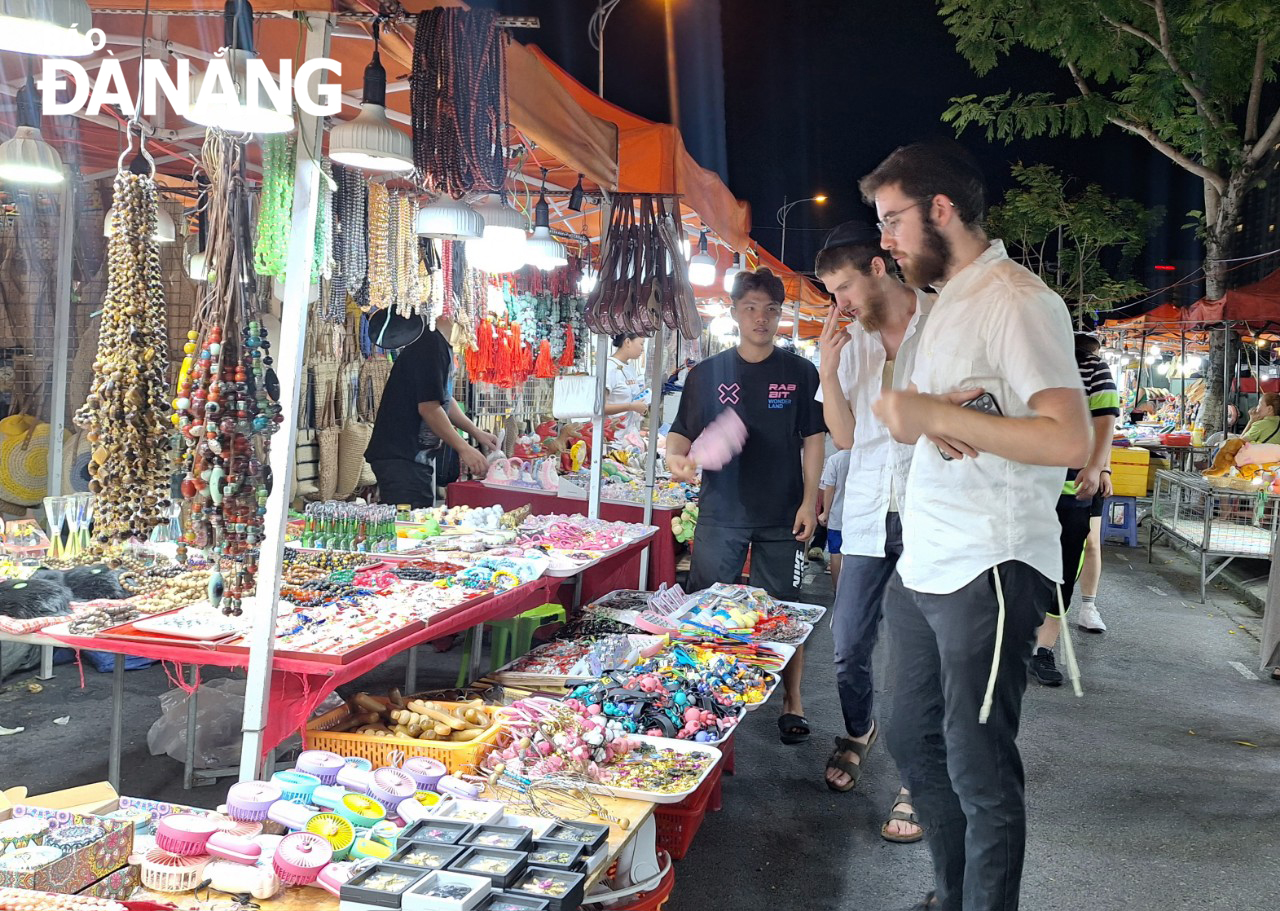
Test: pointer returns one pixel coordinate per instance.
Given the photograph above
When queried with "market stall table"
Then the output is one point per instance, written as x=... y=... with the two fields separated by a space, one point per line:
x=1182 y=457
x=662 y=561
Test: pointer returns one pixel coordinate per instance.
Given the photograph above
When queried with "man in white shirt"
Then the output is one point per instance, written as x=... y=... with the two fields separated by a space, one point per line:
x=876 y=353
x=981 y=552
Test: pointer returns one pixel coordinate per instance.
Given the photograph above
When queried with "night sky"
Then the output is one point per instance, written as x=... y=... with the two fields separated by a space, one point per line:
x=814 y=94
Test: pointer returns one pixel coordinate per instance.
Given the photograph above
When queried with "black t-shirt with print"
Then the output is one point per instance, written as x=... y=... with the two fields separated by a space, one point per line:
x=764 y=485
x=422 y=372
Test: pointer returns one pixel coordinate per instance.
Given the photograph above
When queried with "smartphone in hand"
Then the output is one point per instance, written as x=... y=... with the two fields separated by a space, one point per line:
x=986 y=403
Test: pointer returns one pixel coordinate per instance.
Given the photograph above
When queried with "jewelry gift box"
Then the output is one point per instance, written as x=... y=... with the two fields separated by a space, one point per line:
x=510 y=838
x=105 y=848
x=592 y=836
x=558 y=855
x=560 y=889
x=379 y=887
x=424 y=856
x=505 y=901
x=436 y=831
x=499 y=866
x=475 y=812
x=445 y=890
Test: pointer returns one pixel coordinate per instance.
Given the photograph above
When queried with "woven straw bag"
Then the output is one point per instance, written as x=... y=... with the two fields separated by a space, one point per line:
x=354 y=437
x=24 y=459
x=77 y=452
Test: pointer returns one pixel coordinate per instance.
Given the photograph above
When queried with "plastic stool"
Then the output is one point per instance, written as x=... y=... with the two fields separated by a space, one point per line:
x=529 y=622
x=1126 y=526
x=504 y=634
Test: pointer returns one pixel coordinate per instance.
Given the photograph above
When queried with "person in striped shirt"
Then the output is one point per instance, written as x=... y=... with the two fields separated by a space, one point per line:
x=1080 y=508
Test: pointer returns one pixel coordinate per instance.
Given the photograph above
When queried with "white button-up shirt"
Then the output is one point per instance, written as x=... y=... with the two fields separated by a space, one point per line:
x=999 y=327
x=878 y=464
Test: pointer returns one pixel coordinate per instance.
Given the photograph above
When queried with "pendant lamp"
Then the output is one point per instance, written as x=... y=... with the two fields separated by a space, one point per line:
x=502 y=246
x=732 y=272
x=51 y=28
x=370 y=141
x=702 y=266
x=230 y=107
x=447 y=218
x=588 y=280
x=544 y=251
x=27 y=158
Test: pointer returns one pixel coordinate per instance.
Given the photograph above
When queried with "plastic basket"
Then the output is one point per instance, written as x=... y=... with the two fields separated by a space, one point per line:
x=678 y=823
x=652 y=900
x=382 y=751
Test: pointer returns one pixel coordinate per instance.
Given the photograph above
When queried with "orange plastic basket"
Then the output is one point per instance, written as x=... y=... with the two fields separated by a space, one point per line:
x=381 y=751
x=679 y=822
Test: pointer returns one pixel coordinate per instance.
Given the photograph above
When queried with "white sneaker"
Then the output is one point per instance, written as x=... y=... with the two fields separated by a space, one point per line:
x=1090 y=621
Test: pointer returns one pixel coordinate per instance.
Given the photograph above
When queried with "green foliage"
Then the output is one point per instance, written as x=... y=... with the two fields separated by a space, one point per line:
x=1092 y=224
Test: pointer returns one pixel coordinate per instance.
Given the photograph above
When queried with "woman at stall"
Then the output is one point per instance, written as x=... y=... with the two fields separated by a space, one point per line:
x=624 y=389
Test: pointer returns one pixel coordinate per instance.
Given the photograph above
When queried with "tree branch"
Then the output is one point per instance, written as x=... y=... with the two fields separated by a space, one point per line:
x=1255 y=92
x=1164 y=47
x=1265 y=142
x=1206 y=174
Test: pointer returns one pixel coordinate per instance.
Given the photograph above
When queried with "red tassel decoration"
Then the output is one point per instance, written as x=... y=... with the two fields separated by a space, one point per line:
x=543 y=369
x=566 y=356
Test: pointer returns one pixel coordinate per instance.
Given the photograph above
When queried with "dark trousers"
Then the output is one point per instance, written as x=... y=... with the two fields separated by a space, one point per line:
x=1074 y=519
x=777 y=558
x=965 y=777
x=401 y=482
x=855 y=625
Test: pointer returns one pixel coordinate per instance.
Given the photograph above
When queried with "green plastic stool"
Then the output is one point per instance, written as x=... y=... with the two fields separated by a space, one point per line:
x=504 y=634
x=529 y=622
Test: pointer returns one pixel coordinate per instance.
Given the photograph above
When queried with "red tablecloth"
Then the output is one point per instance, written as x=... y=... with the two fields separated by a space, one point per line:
x=662 y=551
x=299 y=685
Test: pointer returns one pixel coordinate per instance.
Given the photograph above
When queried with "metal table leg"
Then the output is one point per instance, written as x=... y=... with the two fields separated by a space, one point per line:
x=117 y=722
x=411 y=672
x=477 y=643
x=46 y=663
x=189 y=760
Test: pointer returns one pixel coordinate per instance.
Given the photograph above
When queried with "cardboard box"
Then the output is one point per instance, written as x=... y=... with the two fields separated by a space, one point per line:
x=81 y=868
x=118 y=885
x=88 y=799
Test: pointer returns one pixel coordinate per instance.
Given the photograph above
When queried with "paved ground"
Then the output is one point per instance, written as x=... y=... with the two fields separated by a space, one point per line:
x=1155 y=791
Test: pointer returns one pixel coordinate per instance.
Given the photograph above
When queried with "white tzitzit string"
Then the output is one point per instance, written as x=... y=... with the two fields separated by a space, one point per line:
x=985 y=711
x=1068 y=649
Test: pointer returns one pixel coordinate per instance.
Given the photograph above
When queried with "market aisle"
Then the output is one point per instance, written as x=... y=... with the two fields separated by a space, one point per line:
x=1128 y=809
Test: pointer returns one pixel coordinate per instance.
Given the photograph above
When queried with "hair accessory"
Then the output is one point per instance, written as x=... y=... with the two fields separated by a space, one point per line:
x=295 y=786
x=300 y=857
x=290 y=815
x=321 y=763
x=425 y=771
x=390 y=786
x=167 y=872
x=184 y=833
x=337 y=831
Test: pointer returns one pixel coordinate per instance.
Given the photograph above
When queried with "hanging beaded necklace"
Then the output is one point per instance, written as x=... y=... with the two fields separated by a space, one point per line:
x=275 y=212
x=378 y=256
x=322 y=252
x=227 y=405
x=349 y=241
x=458 y=98
x=125 y=416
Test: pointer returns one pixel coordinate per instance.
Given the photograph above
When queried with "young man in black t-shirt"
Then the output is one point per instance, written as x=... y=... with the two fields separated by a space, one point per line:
x=416 y=417
x=766 y=498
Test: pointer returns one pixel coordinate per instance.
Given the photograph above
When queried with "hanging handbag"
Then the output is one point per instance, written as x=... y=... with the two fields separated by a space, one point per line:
x=573 y=397
x=356 y=430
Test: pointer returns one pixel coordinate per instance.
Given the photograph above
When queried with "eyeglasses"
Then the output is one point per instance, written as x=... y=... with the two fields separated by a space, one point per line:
x=890 y=224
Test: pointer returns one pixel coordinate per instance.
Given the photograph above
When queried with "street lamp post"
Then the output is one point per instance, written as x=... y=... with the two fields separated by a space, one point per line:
x=783 y=212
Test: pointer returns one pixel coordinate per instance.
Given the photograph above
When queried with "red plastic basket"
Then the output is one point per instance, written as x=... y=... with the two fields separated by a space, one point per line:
x=726 y=752
x=678 y=823
x=655 y=898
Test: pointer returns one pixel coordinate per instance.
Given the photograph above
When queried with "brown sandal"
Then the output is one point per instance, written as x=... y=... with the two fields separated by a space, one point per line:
x=896 y=815
x=853 y=770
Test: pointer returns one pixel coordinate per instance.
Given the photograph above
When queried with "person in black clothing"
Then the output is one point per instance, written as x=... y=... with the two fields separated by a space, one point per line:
x=416 y=419
x=766 y=498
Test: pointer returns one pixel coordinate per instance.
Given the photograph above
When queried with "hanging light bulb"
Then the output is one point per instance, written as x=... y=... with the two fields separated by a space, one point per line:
x=501 y=247
x=1155 y=351
x=1193 y=362
x=723 y=327
x=370 y=141
x=1162 y=369
x=27 y=158
x=51 y=28
x=544 y=251
x=732 y=272
x=702 y=267
x=229 y=105
x=447 y=218
x=589 y=279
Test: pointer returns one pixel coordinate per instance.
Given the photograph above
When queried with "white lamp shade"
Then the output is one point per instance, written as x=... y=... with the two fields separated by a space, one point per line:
x=370 y=142
x=51 y=28
x=702 y=270
x=28 y=159
x=166 y=231
x=503 y=224
x=588 y=280
x=236 y=115
x=544 y=251
x=449 y=219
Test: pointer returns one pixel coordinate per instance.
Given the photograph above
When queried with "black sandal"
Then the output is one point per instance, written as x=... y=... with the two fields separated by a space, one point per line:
x=930 y=903
x=853 y=770
x=896 y=815
x=793 y=729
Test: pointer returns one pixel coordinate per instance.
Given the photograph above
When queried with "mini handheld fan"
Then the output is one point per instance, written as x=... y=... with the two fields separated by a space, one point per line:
x=719 y=441
x=248 y=801
x=321 y=763
x=390 y=786
x=338 y=832
x=300 y=857
x=167 y=872
x=424 y=771
x=184 y=833
x=236 y=828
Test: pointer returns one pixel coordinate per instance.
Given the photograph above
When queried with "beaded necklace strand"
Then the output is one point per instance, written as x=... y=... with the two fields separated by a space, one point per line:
x=275 y=212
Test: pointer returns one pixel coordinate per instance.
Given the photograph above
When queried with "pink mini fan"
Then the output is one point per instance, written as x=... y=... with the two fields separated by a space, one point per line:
x=719 y=441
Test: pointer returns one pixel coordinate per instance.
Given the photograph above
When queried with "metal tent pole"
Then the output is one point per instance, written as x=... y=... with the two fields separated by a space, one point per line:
x=61 y=337
x=597 y=428
x=651 y=456
x=289 y=364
